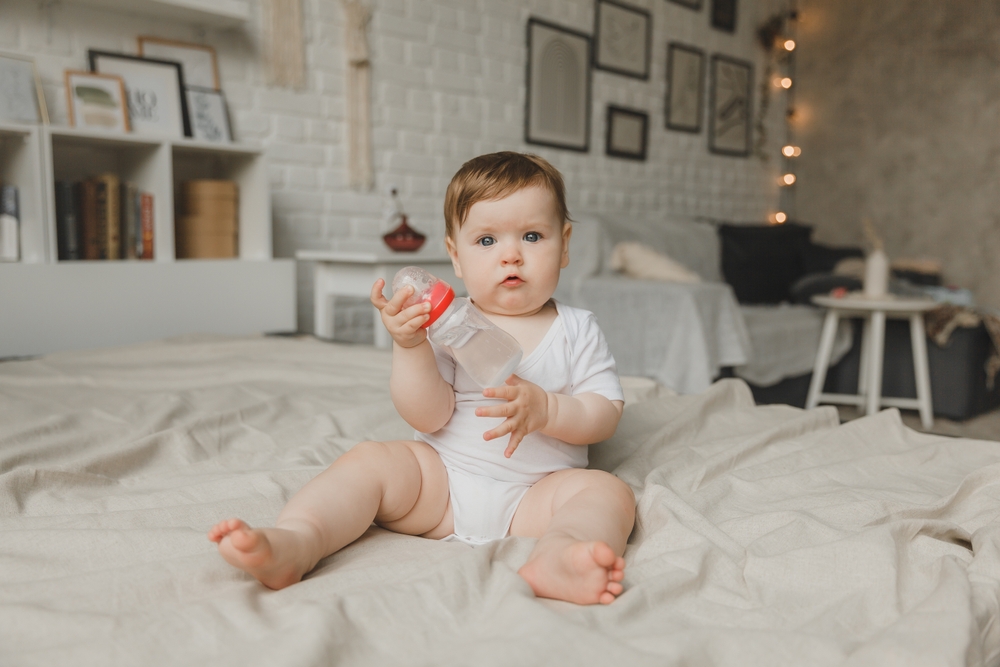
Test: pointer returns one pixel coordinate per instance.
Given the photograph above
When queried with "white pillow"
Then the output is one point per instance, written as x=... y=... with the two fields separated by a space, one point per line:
x=636 y=260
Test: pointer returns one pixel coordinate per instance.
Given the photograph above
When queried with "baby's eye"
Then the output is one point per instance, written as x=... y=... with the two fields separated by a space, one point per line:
x=532 y=237
x=486 y=241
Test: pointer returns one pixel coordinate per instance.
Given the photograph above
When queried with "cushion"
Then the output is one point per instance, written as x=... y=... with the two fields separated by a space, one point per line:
x=640 y=261
x=761 y=262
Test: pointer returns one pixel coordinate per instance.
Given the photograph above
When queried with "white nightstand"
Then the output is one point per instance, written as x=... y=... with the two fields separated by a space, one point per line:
x=352 y=270
x=874 y=311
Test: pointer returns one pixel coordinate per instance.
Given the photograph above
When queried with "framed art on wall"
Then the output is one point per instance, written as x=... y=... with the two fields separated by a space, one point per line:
x=209 y=119
x=21 y=97
x=627 y=132
x=622 y=37
x=724 y=15
x=201 y=68
x=557 y=110
x=729 y=108
x=685 y=87
x=154 y=90
x=96 y=101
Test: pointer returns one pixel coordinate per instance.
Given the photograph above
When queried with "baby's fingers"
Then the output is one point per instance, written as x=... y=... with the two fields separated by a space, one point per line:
x=503 y=429
x=395 y=304
x=378 y=299
x=515 y=440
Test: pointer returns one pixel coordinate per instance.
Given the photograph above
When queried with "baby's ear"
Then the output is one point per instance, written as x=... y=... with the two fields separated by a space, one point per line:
x=449 y=245
x=567 y=232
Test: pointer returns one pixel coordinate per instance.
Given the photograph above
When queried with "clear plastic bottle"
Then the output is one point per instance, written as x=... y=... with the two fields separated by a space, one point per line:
x=487 y=353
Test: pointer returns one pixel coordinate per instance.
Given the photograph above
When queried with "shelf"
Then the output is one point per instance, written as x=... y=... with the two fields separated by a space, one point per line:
x=90 y=137
x=16 y=130
x=195 y=146
x=214 y=13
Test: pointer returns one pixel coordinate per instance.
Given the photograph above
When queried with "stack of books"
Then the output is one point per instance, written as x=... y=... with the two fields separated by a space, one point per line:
x=103 y=218
x=10 y=221
x=209 y=227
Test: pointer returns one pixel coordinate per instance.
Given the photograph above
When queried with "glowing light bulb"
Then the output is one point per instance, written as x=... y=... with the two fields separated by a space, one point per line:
x=788 y=179
x=791 y=151
x=785 y=83
x=780 y=217
x=789 y=45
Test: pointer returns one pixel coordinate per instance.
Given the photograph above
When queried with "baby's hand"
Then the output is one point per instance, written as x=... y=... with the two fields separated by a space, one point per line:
x=526 y=410
x=403 y=324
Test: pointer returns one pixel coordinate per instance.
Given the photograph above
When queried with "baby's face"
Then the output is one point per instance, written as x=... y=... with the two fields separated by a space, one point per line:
x=509 y=252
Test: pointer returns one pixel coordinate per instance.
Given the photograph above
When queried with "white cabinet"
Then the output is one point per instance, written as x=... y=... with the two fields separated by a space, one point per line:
x=48 y=305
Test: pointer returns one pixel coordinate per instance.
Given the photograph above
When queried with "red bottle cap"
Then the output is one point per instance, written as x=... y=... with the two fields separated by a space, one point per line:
x=440 y=297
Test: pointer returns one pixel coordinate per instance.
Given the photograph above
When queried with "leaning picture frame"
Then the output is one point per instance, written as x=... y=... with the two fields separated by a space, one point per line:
x=557 y=104
x=627 y=133
x=96 y=101
x=209 y=116
x=201 y=66
x=21 y=96
x=622 y=39
x=730 y=106
x=154 y=90
x=685 y=87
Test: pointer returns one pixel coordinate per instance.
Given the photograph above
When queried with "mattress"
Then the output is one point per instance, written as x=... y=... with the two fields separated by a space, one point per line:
x=764 y=536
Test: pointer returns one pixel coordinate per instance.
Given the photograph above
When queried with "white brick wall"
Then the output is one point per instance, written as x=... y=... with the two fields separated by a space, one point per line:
x=447 y=84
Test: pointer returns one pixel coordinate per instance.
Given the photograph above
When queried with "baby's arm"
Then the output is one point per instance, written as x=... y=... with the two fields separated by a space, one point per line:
x=422 y=397
x=582 y=419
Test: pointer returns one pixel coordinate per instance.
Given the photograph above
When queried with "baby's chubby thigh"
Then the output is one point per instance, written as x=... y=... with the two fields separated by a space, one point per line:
x=415 y=499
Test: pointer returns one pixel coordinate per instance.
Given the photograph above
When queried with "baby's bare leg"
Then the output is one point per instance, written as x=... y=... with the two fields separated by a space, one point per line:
x=582 y=519
x=402 y=486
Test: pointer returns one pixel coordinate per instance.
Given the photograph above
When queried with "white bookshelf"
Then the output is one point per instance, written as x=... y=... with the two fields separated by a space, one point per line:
x=215 y=13
x=48 y=305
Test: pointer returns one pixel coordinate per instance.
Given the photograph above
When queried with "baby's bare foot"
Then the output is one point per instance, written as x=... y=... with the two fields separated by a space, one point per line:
x=265 y=554
x=582 y=572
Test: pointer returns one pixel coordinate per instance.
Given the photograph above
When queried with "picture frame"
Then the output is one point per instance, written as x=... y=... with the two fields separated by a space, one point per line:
x=154 y=90
x=209 y=115
x=21 y=96
x=96 y=101
x=685 y=88
x=724 y=15
x=627 y=133
x=557 y=104
x=730 y=107
x=690 y=4
x=201 y=66
x=622 y=39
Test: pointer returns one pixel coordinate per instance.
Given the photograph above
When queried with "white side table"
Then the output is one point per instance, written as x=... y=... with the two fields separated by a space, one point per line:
x=874 y=311
x=352 y=271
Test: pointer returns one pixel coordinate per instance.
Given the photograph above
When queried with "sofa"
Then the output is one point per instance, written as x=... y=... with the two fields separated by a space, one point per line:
x=686 y=335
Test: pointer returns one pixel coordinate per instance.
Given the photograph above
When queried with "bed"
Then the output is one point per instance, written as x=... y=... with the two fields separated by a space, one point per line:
x=765 y=535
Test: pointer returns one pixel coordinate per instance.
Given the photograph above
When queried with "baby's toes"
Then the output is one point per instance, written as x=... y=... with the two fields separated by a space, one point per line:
x=615 y=588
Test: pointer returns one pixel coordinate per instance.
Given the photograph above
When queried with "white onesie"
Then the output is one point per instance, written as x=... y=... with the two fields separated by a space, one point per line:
x=486 y=487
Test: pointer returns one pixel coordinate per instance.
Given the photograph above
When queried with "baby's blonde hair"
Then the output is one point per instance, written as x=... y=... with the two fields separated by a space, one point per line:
x=494 y=176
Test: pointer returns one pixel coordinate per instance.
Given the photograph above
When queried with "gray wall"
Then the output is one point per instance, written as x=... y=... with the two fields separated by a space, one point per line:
x=900 y=122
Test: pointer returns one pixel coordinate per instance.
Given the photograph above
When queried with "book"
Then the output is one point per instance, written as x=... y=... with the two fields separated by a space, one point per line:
x=90 y=242
x=10 y=220
x=68 y=221
x=131 y=234
x=146 y=224
x=100 y=218
x=111 y=218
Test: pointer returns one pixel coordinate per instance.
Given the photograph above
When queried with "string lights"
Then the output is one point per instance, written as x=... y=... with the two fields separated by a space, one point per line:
x=778 y=38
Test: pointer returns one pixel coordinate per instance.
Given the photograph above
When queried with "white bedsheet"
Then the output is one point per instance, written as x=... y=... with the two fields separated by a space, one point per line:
x=765 y=535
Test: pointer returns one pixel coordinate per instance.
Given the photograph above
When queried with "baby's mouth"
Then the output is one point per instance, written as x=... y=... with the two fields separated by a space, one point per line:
x=512 y=280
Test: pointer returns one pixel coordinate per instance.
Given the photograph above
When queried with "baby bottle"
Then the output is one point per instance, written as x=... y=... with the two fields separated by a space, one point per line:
x=487 y=353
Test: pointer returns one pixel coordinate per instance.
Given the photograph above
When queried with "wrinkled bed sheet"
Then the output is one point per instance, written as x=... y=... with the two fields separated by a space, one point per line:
x=765 y=535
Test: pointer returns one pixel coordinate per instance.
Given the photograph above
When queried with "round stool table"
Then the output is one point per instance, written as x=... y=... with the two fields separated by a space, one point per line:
x=874 y=310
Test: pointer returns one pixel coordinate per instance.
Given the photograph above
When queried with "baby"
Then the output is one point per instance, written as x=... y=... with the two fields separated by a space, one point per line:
x=484 y=464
